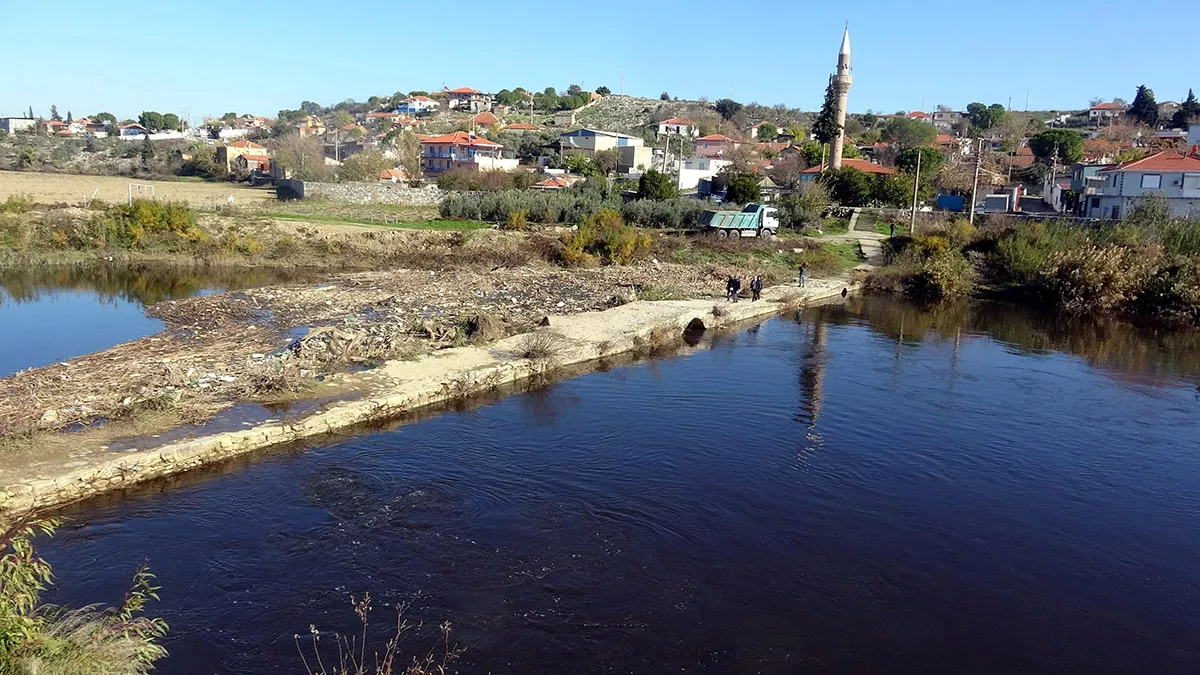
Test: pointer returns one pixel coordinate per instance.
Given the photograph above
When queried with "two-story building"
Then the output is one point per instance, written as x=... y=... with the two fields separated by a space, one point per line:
x=1173 y=174
x=418 y=105
x=1105 y=111
x=715 y=145
x=946 y=119
x=468 y=100
x=226 y=154
x=678 y=126
x=462 y=150
x=634 y=155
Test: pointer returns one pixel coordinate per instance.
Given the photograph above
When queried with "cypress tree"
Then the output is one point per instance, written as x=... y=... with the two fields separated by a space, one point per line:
x=1188 y=111
x=1143 y=108
x=826 y=128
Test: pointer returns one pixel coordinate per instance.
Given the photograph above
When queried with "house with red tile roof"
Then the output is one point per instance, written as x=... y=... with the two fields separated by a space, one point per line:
x=418 y=105
x=552 y=183
x=862 y=165
x=522 y=126
x=228 y=153
x=715 y=145
x=485 y=119
x=462 y=150
x=922 y=116
x=252 y=162
x=468 y=100
x=1174 y=175
x=392 y=175
x=678 y=126
x=1105 y=111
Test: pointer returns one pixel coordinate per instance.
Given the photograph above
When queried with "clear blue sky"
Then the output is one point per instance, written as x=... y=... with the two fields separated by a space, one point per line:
x=261 y=56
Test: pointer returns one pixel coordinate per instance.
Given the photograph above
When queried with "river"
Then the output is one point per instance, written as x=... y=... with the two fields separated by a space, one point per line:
x=54 y=314
x=857 y=489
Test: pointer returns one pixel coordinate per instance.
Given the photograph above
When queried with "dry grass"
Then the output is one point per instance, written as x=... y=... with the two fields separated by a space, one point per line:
x=542 y=346
x=485 y=327
x=54 y=188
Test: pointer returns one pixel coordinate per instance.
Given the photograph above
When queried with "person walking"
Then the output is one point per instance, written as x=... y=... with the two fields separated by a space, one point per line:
x=737 y=287
x=893 y=230
x=755 y=288
x=730 y=293
x=803 y=274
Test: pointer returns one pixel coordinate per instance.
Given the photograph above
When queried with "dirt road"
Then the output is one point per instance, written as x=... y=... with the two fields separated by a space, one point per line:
x=55 y=188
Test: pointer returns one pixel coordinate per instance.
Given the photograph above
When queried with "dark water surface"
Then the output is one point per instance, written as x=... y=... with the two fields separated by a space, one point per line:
x=49 y=315
x=866 y=489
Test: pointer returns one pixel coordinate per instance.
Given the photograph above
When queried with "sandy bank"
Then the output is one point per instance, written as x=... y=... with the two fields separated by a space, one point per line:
x=46 y=479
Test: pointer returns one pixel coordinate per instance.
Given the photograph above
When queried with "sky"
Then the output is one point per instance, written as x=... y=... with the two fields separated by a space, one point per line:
x=259 y=57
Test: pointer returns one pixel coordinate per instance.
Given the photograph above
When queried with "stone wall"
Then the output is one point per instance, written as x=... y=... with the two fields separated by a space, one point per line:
x=363 y=193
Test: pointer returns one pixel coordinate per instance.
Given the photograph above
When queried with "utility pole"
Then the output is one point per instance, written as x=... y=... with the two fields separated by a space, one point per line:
x=912 y=225
x=975 y=185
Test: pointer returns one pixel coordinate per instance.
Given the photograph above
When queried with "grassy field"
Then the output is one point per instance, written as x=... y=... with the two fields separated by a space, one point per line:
x=52 y=188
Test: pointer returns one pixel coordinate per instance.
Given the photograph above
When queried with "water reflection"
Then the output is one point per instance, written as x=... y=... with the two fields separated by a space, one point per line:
x=1131 y=353
x=142 y=284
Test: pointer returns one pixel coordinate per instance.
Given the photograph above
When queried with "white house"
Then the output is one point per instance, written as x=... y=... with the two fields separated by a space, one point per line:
x=695 y=169
x=468 y=99
x=14 y=124
x=1105 y=111
x=678 y=126
x=418 y=105
x=1173 y=174
x=946 y=119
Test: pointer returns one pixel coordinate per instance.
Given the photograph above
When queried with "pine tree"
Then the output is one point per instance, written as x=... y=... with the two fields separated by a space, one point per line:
x=70 y=118
x=1188 y=111
x=54 y=114
x=1143 y=108
x=147 y=152
x=826 y=128
x=30 y=112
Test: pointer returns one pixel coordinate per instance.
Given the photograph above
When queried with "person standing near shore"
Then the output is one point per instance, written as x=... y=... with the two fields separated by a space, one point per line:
x=755 y=288
x=803 y=274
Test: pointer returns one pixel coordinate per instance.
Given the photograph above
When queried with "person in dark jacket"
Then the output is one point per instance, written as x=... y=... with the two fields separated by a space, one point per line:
x=730 y=288
x=737 y=287
x=756 y=286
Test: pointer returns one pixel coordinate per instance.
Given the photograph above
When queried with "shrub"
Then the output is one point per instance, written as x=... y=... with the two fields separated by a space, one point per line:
x=943 y=274
x=517 y=220
x=1094 y=278
x=679 y=213
x=16 y=204
x=606 y=237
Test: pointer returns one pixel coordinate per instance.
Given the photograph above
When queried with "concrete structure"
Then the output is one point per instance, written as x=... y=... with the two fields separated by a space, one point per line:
x=565 y=118
x=678 y=126
x=468 y=100
x=462 y=150
x=1174 y=175
x=863 y=165
x=695 y=169
x=14 y=124
x=1193 y=137
x=715 y=145
x=946 y=119
x=842 y=82
x=418 y=105
x=635 y=158
x=591 y=141
x=394 y=388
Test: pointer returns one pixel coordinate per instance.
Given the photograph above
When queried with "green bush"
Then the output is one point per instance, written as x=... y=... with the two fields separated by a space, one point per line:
x=16 y=204
x=943 y=274
x=604 y=237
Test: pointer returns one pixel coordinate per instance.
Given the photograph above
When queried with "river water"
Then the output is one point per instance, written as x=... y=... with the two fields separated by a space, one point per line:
x=868 y=488
x=49 y=315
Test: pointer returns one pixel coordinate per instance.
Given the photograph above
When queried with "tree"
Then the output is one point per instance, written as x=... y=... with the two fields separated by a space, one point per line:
x=894 y=190
x=1188 y=111
x=342 y=119
x=303 y=157
x=868 y=119
x=743 y=189
x=408 y=154
x=826 y=128
x=1144 y=109
x=70 y=117
x=1095 y=101
x=931 y=161
x=786 y=172
x=664 y=96
x=798 y=133
x=767 y=132
x=574 y=89
x=364 y=166
x=985 y=116
x=603 y=91
x=170 y=122
x=580 y=164
x=147 y=152
x=849 y=186
x=26 y=159
x=311 y=108
x=153 y=121
x=1068 y=143
x=813 y=153
x=657 y=186
x=104 y=118
x=607 y=160
x=905 y=133
x=30 y=112
x=727 y=108
x=54 y=114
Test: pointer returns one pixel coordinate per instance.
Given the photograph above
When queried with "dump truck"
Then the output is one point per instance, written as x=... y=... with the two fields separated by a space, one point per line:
x=756 y=220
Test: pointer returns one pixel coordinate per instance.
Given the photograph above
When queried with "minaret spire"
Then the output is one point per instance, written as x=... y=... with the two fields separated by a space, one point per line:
x=843 y=80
